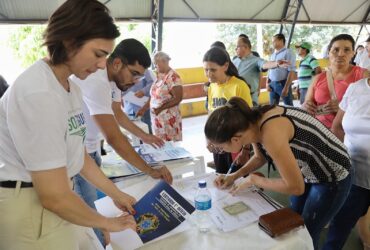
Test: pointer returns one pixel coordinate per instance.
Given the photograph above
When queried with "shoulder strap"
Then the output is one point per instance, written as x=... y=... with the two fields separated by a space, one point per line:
x=330 y=80
x=269 y=118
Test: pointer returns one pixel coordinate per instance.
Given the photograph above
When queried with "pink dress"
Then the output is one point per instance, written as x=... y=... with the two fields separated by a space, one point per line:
x=167 y=124
x=322 y=94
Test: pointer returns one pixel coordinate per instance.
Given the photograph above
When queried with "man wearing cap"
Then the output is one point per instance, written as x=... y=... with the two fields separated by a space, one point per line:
x=308 y=67
x=364 y=61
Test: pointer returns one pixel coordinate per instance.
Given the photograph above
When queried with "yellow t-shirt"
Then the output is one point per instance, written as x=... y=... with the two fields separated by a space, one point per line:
x=219 y=94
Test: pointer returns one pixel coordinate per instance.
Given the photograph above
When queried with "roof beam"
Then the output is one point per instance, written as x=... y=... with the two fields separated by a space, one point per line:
x=3 y=16
x=305 y=10
x=191 y=9
x=262 y=9
x=294 y=22
x=350 y=14
x=283 y=15
x=364 y=21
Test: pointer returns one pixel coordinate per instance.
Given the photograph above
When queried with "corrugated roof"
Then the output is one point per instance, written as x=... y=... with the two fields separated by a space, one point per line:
x=312 y=11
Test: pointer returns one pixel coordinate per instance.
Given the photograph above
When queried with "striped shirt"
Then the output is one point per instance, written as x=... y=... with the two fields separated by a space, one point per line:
x=320 y=155
x=306 y=70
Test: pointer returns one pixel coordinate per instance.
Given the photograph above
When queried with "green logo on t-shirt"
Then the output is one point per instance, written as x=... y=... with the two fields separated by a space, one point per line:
x=76 y=125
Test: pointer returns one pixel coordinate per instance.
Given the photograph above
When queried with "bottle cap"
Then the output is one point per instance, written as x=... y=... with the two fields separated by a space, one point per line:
x=202 y=184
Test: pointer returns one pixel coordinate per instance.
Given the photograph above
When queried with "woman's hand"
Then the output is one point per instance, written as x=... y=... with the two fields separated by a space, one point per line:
x=331 y=106
x=162 y=173
x=225 y=180
x=120 y=223
x=153 y=140
x=242 y=184
x=156 y=111
x=310 y=107
x=125 y=202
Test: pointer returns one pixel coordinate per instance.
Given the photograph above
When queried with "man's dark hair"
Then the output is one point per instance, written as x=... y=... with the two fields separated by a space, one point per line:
x=280 y=37
x=243 y=35
x=131 y=51
x=76 y=22
x=246 y=41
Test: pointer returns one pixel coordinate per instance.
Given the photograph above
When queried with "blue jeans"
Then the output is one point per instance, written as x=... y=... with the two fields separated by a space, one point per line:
x=88 y=192
x=302 y=95
x=146 y=119
x=319 y=204
x=355 y=206
x=275 y=94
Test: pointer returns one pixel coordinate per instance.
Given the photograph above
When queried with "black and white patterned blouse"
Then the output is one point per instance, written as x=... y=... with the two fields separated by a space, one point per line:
x=321 y=156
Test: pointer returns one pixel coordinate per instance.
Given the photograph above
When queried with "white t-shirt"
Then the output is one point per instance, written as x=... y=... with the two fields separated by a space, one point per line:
x=98 y=93
x=356 y=125
x=364 y=60
x=41 y=125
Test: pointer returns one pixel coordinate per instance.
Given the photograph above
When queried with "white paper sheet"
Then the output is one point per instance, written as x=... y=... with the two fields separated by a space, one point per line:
x=254 y=204
x=130 y=97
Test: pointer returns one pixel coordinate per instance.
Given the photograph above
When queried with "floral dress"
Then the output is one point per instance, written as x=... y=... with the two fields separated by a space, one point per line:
x=167 y=124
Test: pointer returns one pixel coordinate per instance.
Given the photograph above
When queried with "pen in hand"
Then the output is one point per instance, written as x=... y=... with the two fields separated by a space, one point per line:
x=231 y=168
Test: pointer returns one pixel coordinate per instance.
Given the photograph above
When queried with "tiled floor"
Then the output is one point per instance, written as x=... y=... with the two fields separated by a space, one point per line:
x=194 y=141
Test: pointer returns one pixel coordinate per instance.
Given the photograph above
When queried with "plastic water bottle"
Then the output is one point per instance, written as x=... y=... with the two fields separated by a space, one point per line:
x=203 y=203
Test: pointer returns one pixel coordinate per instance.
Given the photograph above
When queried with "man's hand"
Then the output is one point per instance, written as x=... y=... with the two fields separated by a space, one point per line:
x=282 y=63
x=161 y=172
x=141 y=111
x=139 y=93
x=153 y=140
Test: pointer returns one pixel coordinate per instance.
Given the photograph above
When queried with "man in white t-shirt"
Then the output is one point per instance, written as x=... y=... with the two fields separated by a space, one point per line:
x=102 y=109
x=364 y=61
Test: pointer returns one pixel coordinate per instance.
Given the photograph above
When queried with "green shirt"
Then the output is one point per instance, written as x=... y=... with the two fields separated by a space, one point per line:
x=306 y=70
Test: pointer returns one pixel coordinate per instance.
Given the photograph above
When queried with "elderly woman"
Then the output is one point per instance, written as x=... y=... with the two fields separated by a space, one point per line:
x=322 y=102
x=165 y=97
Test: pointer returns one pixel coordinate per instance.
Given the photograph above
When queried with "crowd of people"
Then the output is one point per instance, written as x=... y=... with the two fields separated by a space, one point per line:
x=53 y=117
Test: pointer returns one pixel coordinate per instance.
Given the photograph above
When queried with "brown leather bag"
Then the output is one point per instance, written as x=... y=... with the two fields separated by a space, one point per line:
x=280 y=221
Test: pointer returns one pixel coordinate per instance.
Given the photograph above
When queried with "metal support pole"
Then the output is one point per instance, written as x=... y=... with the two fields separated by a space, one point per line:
x=294 y=22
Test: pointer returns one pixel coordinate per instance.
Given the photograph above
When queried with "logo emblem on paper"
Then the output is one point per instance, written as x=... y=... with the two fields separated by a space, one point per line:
x=147 y=223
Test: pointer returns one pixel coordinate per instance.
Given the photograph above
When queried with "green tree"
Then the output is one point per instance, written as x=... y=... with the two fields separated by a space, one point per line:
x=26 y=43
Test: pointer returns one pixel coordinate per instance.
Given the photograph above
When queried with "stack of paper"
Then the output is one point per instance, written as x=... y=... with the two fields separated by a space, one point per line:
x=169 y=152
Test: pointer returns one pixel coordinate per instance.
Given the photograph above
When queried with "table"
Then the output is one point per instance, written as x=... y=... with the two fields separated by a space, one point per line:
x=250 y=237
